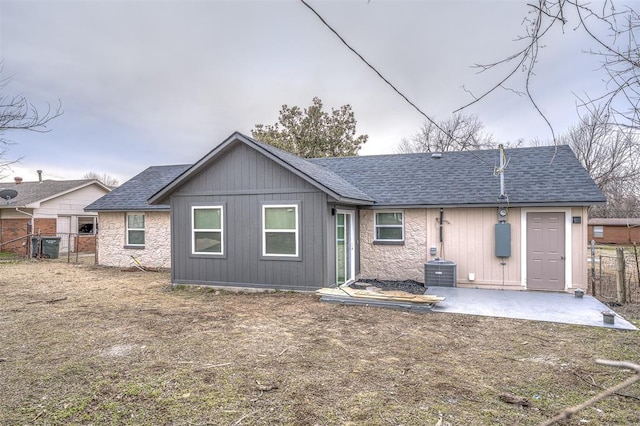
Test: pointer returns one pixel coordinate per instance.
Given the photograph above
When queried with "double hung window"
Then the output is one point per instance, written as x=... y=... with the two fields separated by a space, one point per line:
x=598 y=231
x=389 y=226
x=280 y=230
x=207 y=230
x=135 y=229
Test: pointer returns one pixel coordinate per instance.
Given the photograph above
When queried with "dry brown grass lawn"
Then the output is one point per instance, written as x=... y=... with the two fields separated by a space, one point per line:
x=87 y=345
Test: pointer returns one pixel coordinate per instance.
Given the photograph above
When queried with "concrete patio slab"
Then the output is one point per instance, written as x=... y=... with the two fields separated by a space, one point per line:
x=530 y=305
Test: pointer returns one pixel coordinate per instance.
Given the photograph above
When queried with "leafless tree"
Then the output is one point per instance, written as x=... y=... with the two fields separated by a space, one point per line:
x=623 y=200
x=458 y=133
x=110 y=181
x=17 y=113
x=611 y=154
x=614 y=31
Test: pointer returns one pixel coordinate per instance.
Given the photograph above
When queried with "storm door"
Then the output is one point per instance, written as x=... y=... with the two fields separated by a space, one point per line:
x=345 y=250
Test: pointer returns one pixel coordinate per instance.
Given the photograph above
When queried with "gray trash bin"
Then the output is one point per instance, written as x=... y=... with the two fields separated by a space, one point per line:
x=50 y=247
x=47 y=247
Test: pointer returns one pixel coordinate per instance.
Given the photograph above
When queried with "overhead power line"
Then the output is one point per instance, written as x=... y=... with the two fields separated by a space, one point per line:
x=376 y=71
x=384 y=78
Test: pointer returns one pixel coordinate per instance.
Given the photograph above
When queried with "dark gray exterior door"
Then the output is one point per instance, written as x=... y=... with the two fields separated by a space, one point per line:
x=545 y=251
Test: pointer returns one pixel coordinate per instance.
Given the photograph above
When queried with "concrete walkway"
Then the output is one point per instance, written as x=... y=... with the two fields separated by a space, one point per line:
x=529 y=305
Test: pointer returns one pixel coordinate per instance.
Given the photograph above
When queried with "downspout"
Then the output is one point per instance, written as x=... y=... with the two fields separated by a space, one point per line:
x=33 y=224
x=502 y=194
x=441 y=230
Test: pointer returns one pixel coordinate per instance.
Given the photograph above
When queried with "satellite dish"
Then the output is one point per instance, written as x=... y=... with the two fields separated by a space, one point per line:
x=8 y=194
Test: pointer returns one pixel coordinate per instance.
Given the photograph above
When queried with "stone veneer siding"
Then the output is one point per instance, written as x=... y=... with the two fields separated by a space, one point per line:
x=394 y=262
x=111 y=241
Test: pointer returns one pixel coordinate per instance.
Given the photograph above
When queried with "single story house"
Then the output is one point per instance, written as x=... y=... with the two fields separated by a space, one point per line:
x=621 y=231
x=250 y=215
x=130 y=226
x=48 y=208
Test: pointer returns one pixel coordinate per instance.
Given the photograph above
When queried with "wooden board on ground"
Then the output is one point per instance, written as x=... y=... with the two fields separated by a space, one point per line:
x=400 y=296
x=389 y=304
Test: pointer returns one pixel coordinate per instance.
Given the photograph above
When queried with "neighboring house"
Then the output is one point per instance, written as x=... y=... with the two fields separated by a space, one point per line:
x=614 y=231
x=250 y=215
x=130 y=226
x=49 y=208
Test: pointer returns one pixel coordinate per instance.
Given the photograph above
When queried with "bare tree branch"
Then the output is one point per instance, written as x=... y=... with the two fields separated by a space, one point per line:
x=568 y=412
x=18 y=114
x=615 y=33
x=611 y=155
x=527 y=57
x=459 y=133
x=103 y=178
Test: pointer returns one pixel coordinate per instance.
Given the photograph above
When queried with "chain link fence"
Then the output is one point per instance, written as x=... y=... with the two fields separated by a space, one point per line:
x=69 y=247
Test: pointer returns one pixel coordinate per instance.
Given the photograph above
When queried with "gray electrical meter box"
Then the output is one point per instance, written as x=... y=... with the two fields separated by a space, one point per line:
x=503 y=239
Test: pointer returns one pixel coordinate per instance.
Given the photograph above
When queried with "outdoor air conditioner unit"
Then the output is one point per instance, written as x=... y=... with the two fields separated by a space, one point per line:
x=440 y=273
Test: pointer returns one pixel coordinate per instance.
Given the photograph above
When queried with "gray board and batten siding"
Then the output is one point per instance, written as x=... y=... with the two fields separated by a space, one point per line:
x=241 y=179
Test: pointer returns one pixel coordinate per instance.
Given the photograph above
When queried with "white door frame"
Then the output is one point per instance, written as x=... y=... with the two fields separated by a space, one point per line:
x=351 y=258
x=66 y=240
x=568 y=247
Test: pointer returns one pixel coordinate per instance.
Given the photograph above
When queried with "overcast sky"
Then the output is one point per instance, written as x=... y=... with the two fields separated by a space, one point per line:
x=163 y=82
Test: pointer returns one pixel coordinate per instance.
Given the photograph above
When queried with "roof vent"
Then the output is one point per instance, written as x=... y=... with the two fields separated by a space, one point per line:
x=436 y=155
x=17 y=180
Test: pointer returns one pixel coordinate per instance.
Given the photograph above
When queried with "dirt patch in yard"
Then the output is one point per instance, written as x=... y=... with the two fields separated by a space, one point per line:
x=88 y=345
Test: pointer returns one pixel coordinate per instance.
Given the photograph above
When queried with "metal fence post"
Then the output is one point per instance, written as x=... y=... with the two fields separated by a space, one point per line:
x=95 y=245
x=620 y=280
x=593 y=268
x=600 y=273
x=635 y=253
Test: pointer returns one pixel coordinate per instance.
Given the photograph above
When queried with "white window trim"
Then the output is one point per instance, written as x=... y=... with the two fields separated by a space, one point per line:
x=376 y=226
x=84 y=218
x=350 y=214
x=568 y=247
x=221 y=230
x=296 y=231
x=127 y=229
x=600 y=232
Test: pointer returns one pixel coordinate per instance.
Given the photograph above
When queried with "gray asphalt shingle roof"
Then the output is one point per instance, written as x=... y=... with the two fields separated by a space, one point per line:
x=33 y=192
x=534 y=176
x=322 y=175
x=133 y=194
